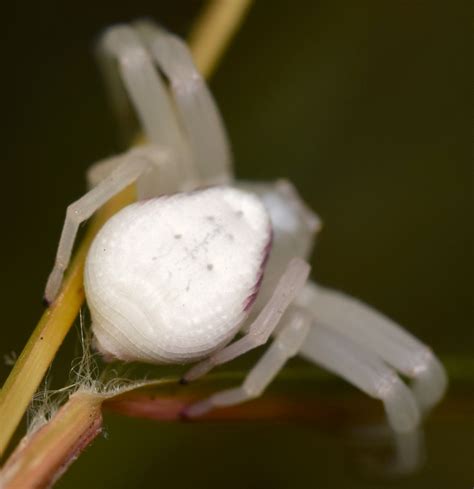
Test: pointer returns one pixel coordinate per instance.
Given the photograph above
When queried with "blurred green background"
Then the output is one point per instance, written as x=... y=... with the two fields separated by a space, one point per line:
x=366 y=107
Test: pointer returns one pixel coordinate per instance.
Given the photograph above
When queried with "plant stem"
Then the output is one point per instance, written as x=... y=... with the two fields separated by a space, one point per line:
x=48 y=335
x=209 y=38
x=214 y=30
x=40 y=459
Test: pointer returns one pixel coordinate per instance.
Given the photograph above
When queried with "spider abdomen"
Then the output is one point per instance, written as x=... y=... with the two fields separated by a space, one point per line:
x=169 y=280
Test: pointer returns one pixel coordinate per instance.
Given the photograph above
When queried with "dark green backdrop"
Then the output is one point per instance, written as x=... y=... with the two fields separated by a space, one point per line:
x=365 y=106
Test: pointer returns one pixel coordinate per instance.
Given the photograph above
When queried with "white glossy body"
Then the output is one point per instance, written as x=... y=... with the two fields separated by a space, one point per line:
x=170 y=280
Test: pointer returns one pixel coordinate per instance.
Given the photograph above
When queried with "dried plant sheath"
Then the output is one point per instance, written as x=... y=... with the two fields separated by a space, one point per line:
x=41 y=458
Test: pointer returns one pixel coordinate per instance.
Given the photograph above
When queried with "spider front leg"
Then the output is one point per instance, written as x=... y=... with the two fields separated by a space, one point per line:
x=129 y=73
x=336 y=353
x=195 y=106
x=382 y=337
x=130 y=167
x=288 y=287
x=287 y=343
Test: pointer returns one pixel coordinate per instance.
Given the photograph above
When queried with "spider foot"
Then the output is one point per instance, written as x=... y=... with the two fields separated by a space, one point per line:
x=195 y=410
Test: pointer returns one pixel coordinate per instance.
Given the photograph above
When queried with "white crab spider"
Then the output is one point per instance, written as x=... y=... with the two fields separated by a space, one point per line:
x=171 y=279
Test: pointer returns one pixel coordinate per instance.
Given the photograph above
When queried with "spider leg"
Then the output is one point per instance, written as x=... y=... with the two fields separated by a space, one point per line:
x=196 y=109
x=129 y=168
x=286 y=344
x=288 y=287
x=380 y=335
x=339 y=354
x=408 y=450
x=129 y=72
